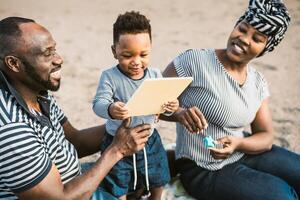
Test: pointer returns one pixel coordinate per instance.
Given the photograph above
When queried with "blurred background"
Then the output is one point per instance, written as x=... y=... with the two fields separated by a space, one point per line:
x=83 y=32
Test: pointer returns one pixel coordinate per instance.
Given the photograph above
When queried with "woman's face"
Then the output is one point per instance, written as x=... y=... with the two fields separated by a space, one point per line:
x=245 y=43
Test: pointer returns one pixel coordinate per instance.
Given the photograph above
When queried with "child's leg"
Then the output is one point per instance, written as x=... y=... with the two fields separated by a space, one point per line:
x=136 y=195
x=156 y=193
x=116 y=182
x=158 y=168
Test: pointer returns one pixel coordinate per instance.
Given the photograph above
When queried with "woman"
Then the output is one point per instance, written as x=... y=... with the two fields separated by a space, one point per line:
x=226 y=96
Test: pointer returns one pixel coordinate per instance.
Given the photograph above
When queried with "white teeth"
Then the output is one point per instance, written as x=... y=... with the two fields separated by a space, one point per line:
x=56 y=74
x=238 y=48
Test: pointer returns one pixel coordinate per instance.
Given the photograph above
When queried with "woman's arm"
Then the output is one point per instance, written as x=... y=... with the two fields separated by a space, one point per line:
x=262 y=132
x=170 y=71
x=192 y=118
x=260 y=141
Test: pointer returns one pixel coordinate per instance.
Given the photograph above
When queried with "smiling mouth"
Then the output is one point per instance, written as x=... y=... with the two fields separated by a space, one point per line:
x=56 y=73
x=237 y=48
x=56 y=69
x=135 y=69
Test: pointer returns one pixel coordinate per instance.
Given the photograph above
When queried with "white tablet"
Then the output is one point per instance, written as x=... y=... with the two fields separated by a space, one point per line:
x=149 y=98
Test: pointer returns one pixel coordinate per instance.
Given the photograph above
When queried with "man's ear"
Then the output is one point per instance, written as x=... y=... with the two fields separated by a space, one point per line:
x=113 y=50
x=13 y=63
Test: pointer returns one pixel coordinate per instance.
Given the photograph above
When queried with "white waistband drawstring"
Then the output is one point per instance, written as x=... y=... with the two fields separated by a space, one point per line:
x=134 y=171
x=146 y=170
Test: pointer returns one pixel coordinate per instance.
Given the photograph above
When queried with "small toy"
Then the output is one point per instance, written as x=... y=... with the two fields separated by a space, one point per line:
x=209 y=142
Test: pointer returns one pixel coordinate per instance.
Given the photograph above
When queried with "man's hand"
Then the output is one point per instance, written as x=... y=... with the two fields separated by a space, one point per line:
x=192 y=118
x=230 y=144
x=118 y=110
x=130 y=140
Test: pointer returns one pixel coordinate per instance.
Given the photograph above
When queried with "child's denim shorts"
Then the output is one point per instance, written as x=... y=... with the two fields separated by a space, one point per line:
x=120 y=179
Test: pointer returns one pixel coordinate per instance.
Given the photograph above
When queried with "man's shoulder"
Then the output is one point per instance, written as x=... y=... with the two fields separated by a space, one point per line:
x=14 y=126
x=8 y=107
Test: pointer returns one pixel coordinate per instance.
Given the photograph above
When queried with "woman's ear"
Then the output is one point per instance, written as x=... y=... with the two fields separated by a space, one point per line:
x=13 y=63
x=113 y=50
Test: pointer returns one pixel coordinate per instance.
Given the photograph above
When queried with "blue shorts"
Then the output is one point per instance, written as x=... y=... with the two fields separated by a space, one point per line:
x=120 y=179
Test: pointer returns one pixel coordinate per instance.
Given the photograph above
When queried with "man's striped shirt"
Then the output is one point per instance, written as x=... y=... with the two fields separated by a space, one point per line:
x=31 y=143
x=227 y=106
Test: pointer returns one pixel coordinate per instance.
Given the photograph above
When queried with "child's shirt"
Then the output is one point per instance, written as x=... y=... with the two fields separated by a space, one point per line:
x=115 y=86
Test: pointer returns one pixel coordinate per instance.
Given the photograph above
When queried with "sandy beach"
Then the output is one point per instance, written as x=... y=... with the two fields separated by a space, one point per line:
x=83 y=32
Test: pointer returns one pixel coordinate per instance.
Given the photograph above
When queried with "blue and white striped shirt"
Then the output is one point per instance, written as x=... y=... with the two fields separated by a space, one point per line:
x=30 y=143
x=227 y=106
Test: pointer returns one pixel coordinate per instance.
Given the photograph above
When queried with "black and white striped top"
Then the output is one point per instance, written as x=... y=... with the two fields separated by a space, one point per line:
x=30 y=143
x=227 y=106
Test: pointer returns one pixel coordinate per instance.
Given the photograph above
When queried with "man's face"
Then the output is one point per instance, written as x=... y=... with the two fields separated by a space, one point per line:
x=42 y=65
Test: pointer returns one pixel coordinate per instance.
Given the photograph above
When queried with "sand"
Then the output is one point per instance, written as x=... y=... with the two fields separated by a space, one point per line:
x=83 y=32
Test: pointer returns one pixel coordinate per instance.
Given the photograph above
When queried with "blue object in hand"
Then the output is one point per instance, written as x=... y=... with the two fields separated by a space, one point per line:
x=208 y=142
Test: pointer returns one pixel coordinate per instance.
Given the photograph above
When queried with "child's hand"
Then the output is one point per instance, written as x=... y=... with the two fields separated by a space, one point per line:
x=171 y=106
x=118 y=110
x=156 y=120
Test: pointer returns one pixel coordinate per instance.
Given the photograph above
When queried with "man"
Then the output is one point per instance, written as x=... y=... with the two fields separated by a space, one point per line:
x=39 y=148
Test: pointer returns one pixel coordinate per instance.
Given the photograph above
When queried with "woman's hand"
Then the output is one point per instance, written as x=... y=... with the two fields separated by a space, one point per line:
x=230 y=144
x=192 y=118
x=118 y=110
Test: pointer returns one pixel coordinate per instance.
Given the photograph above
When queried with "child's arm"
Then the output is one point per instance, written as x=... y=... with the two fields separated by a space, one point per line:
x=118 y=110
x=103 y=104
x=104 y=96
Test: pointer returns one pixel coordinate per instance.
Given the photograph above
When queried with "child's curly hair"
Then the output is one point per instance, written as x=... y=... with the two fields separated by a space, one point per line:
x=131 y=22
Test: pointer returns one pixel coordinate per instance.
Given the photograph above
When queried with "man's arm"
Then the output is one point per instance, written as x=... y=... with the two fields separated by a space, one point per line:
x=126 y=142
x=86 y=141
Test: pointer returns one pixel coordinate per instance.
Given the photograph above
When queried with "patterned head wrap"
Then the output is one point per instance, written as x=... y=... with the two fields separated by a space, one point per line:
x=269 y=17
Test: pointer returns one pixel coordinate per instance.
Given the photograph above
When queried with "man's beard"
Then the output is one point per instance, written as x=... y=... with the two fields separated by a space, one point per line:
x=47 y=84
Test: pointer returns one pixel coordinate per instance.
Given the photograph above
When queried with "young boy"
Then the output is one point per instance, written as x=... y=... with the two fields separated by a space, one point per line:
x=148 y=168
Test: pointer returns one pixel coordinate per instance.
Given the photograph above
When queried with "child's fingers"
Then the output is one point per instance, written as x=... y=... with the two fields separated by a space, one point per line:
x=171 y=103
x=120 y=103
x=171 y=108
x=156 y=120
x=167 y=109
x=122 y=109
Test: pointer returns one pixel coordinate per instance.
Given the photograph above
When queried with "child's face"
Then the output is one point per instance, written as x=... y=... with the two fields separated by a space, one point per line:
x=133 y=53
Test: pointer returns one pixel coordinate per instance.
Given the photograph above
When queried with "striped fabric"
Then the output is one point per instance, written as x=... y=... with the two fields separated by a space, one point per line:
x=269 y=17
x=227 y=106
x=29 y=144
